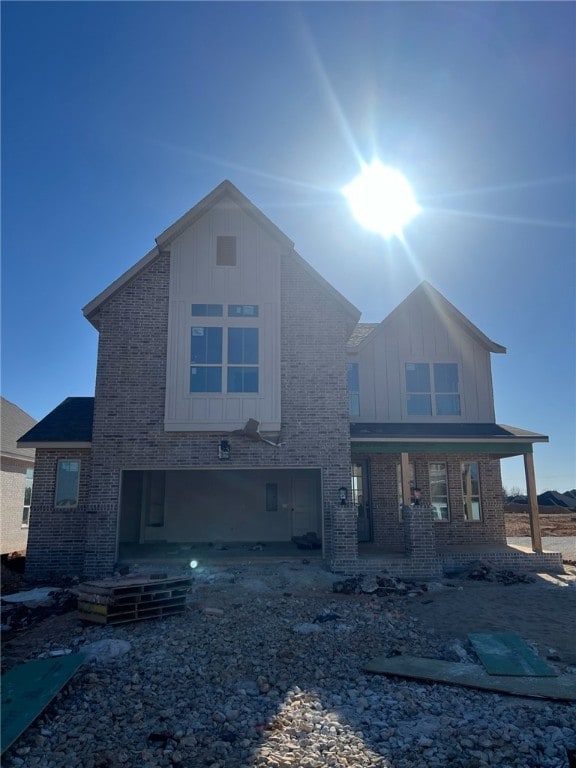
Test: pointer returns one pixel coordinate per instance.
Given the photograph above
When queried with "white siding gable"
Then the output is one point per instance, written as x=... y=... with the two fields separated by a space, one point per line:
x=417 y=333
x=195 y=278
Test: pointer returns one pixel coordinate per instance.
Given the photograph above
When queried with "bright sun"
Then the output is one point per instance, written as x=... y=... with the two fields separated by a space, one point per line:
x=381 y=199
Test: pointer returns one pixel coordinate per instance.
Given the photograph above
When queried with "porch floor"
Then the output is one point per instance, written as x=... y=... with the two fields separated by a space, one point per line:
x=272 y=551
x=246 y=552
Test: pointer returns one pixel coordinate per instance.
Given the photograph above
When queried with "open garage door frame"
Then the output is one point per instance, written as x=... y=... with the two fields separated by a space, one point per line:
x=219 y=506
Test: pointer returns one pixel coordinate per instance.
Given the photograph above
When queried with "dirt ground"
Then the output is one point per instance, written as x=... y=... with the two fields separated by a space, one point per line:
x=541 y=612
x=564 y=524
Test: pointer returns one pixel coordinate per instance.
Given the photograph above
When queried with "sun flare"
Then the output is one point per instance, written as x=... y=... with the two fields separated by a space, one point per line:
x=381 y=199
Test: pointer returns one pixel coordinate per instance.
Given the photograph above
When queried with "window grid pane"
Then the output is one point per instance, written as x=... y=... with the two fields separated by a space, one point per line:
x=471 y=490
x=67 y=482
x=207 y=310
x=418 y=377
x=439 y=491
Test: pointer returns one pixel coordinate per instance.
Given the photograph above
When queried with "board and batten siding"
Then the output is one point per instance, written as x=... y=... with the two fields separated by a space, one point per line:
x=418 y=334
x=195 y=278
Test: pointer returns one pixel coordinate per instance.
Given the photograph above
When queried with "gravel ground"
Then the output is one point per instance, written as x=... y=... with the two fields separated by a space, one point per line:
x=265 y=669
x=564 y=544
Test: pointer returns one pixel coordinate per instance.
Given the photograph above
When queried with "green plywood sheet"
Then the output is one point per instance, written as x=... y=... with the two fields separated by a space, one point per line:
x=473 y=676
x=28 y=688
x=504 y=653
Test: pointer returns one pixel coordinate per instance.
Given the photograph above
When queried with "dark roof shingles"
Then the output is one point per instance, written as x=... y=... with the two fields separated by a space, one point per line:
x=69 y=422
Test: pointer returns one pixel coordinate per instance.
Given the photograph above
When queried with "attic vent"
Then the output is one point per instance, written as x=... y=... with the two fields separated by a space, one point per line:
x=226 y=251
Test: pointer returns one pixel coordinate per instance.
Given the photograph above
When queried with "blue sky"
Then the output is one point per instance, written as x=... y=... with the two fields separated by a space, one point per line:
x=118 y=117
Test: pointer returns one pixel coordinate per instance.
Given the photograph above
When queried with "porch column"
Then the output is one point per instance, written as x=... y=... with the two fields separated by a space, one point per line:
x=532 y=503
x=405 y=479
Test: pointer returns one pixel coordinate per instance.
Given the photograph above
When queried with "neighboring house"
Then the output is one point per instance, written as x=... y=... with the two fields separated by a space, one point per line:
x=17 y=466
x=238 y=400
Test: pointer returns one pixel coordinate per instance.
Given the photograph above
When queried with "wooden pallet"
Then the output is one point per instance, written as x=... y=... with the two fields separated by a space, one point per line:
x=133 y=598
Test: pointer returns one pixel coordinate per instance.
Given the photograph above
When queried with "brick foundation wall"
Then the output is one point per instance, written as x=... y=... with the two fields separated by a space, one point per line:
x=56 y=537
x=12 y=478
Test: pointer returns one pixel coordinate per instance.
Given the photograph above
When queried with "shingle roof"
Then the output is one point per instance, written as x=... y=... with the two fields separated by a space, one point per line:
x=448 y=431
x=13 y=422
x=360 y=332
x=69 y=422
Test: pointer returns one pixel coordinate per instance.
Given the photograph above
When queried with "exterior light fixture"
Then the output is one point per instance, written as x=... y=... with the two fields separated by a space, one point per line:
x=343 y=491
x=224 y=450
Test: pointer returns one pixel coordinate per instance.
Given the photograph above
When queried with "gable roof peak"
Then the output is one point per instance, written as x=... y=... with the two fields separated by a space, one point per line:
x=445 y=310
x=223 y=190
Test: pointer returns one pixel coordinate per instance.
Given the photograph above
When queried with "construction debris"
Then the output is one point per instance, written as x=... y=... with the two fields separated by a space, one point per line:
x=132 y=598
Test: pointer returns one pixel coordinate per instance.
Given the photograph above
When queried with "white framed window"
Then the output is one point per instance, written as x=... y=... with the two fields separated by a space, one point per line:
x=471 y=490
x=439 y=497
x=353 y=377
x=67 y=483
x=27 y=497
x=432 y=389
x=225 y=357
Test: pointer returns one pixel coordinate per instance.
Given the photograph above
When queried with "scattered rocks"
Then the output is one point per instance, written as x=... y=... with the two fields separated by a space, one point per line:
x=274 y=682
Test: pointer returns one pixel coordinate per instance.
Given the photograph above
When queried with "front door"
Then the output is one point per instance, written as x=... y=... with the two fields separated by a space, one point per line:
x=361 y=499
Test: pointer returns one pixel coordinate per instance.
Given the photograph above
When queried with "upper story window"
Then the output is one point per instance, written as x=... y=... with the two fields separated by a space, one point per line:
x=432 y=389
x=207 y=310
x=226 y=251
x=27 y=497
x=243 y=310
x=67 y=483
x=224 y=357
x=353 y=389
x=471 y=490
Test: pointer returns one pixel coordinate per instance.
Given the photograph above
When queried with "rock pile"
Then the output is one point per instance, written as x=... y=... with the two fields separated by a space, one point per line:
x=245 y=686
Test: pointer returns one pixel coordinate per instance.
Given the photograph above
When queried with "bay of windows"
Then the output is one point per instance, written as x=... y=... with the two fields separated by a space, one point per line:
x=432 y=389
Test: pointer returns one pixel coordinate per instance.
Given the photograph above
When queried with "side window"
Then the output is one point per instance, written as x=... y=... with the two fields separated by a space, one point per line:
x=353 y=389
x=27 y=496
x=471 y=490
x=67 y=483
x=439 y=491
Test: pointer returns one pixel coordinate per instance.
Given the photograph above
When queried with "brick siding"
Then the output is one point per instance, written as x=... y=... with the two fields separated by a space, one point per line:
x=56 y=537
x=13 y=475
x=129 y=416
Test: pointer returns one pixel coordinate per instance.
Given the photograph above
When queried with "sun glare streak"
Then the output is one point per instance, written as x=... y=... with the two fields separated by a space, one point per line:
x=505 y=219
x=515 y=185
x=328 y=90
x=245 y=168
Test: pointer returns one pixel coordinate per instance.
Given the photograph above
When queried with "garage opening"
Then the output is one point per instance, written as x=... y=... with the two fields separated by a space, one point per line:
x=218 y=507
